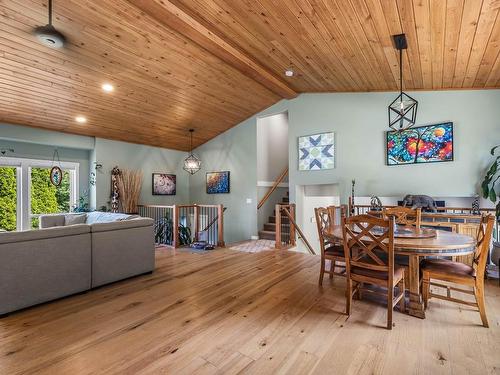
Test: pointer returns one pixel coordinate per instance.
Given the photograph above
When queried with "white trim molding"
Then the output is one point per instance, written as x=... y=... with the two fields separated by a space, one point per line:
x=271 y=183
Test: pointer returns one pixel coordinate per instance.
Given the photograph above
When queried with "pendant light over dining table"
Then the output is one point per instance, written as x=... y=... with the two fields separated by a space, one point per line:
x=403 y=110
x=192 y=163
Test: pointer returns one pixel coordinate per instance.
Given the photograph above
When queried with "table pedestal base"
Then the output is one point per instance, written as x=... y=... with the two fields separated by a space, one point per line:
x=416 y=304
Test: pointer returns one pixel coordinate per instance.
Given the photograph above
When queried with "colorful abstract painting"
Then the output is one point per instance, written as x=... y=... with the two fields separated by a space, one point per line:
x=316 y=152
x=164 y=184
x=218 y=182
x=424 y=144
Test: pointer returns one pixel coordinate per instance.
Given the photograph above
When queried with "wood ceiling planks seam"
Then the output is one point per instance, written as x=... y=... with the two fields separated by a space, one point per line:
x=225 y=60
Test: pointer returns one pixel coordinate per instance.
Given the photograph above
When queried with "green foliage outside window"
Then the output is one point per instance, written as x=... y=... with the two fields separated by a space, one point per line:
x=45 y=197
x=7 y=198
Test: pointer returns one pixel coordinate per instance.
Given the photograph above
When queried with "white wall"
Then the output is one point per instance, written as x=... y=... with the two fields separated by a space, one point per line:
x=272 y=146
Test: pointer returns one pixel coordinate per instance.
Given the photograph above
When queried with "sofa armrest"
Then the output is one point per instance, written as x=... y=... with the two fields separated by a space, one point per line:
x=120 y=225
x=49 y=221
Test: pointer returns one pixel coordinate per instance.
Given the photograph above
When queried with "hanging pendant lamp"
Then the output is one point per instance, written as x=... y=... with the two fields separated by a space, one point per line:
x=192 y=163
x=403 y=110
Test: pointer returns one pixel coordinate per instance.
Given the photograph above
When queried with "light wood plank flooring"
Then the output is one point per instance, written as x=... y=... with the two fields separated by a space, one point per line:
x=233 y=312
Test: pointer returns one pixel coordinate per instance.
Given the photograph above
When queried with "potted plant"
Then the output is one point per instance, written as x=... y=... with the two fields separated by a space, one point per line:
x=489 y=192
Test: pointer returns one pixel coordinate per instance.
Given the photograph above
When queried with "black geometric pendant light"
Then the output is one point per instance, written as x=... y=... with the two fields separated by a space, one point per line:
x=192 y=163
x=403 y=110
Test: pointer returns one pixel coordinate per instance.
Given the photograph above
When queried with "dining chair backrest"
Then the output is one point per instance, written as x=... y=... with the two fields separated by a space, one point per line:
x=404 y=215
x=483 y=240
x=369 y=243
x=324 y=219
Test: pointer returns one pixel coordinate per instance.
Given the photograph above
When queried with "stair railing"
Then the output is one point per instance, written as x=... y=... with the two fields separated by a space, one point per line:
x=287 y=239
x=273 y=188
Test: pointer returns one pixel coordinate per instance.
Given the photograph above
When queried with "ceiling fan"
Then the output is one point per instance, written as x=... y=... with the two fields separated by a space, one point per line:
x=48 y=34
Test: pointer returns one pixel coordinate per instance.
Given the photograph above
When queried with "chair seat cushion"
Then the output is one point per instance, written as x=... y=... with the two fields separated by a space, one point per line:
x=381 y=275
x=334 y=250
x=447 y=267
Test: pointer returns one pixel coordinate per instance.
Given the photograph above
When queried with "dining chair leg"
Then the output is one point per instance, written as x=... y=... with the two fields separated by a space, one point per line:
x=402 y=301
x=322 y=271
x=426 y=286
x=348 y=297
x=479 y=294
x=390 y=307
x=332 y=268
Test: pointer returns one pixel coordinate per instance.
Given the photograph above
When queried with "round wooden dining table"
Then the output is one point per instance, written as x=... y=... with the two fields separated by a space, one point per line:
x=415 y=246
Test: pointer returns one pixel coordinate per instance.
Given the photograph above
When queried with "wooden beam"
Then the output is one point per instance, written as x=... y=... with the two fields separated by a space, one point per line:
x=176 y=19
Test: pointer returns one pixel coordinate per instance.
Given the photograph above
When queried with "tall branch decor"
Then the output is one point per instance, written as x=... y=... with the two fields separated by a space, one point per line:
x=129 y=186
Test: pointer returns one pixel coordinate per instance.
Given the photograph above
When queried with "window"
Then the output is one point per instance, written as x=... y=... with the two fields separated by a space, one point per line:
x=26 y=191
x=8 y=198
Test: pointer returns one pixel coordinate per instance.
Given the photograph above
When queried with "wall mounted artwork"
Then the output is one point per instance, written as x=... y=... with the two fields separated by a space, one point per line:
x=317 y=152
x=218 y=182
x=423 y=144
x=164 y=184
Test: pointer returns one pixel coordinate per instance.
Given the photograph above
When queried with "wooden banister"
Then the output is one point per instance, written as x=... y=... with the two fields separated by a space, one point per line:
x=273 y=188
x=289 y=212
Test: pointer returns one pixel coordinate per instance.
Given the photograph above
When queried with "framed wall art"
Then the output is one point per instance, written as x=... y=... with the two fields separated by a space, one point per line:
x=164 y=184
x=317 y=152
x=423 y=144
x=218 y=182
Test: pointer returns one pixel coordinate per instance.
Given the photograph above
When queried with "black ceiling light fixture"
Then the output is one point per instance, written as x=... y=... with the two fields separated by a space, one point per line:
x=403 y=110
x=48 y=34
x=192 y=163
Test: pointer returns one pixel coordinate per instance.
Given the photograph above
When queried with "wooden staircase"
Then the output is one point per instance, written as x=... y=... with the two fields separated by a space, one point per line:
x=269 y=230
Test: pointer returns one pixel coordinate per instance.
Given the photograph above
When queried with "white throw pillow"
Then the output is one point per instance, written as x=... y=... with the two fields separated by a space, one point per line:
x=73 y=219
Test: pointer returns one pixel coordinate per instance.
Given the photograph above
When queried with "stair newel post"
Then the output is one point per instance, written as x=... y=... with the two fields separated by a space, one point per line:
x=175 y=227
x=277 y=214
x=220 y=225
x=196 y=223
x=292 y=227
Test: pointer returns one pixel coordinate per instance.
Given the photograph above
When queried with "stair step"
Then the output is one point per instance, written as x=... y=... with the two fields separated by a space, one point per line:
x=284 y=220
x=271 y=227
x=286 y=200
x=267 y=235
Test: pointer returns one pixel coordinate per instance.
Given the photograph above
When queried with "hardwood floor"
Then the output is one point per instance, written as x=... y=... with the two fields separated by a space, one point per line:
x=233 y=312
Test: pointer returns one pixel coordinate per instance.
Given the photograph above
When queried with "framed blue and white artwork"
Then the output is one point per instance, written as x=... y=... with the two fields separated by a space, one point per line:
x=317 y=152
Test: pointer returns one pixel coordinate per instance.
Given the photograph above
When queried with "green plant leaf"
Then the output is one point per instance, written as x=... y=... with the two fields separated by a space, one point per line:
x=492 y=152
x=493 y=196
x=485 y=188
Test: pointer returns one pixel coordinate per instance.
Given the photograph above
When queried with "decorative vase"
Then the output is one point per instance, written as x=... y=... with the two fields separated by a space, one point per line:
x=495 y=253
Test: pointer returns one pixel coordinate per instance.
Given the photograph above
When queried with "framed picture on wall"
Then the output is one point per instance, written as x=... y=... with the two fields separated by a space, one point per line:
x=423 y=144
x=316 y=152
x=164 y=184
x=218 y=182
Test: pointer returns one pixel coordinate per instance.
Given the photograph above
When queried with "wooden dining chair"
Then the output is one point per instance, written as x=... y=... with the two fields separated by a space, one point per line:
x=455 y=272
x=369 y=259
x=330 y=250
x=404 y=215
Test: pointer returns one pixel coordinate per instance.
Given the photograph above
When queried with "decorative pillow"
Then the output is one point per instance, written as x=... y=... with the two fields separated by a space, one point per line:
x=73 y=219
x=106 y=217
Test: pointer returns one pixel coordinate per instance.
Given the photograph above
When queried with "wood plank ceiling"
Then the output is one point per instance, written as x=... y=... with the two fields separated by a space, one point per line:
x=209 y=64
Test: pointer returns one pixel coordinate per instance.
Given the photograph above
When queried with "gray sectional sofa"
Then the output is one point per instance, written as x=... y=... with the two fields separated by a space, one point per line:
x=72 y=253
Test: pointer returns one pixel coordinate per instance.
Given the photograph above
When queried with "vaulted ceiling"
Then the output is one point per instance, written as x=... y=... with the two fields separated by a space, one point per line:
x=209 y=64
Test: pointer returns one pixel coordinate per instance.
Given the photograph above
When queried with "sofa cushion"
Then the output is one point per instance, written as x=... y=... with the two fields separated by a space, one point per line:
x=72 y=219
x=119 y=225
x=107 y=217
x=52 y=220
x=39 y=234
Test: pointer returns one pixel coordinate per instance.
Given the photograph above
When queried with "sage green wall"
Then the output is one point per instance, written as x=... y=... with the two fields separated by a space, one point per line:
x=40 y=144
x=145 y=158
x=359 y=121
x=236 y=151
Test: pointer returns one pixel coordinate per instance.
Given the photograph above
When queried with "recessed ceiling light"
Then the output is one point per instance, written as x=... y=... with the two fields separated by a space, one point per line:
x=107 y=87
x=289 y=73
x=81 y=119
